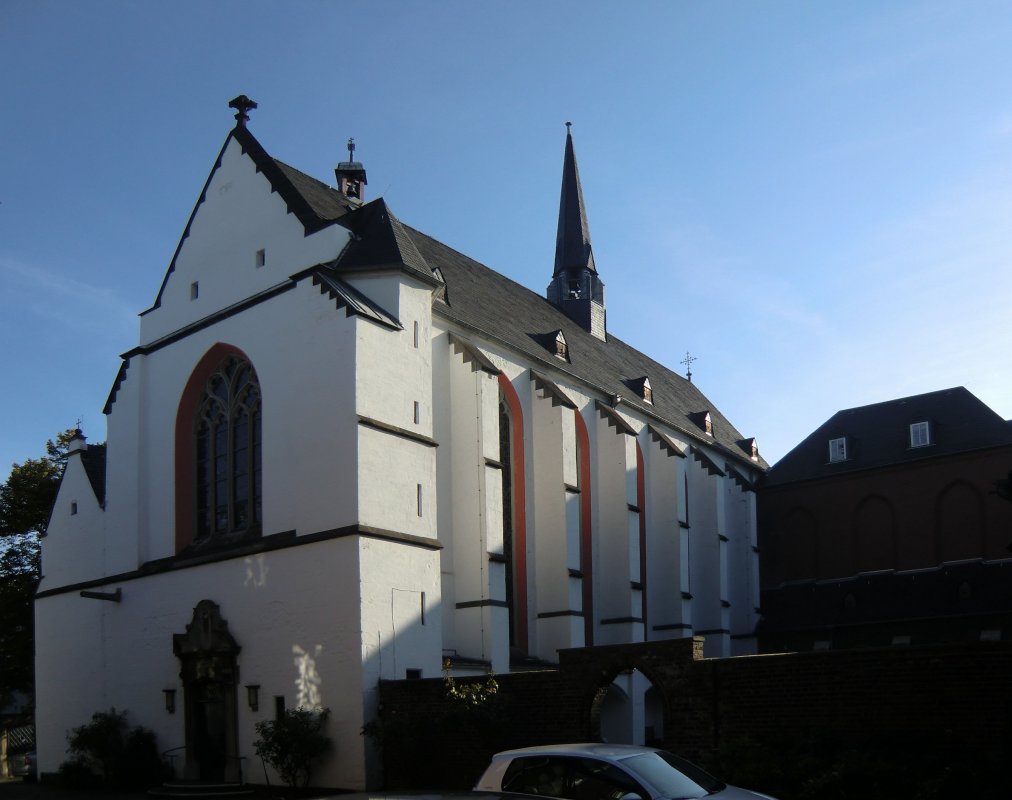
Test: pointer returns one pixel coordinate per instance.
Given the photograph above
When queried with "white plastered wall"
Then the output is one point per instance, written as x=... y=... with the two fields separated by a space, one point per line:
x=616 y=533
x=238 y=216
x=308 y=424
x=664 y=584
x=73 y=546
x=547 y=527
x=302 y=645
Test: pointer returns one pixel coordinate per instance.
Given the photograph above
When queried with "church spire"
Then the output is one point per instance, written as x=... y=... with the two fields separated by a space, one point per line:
x=576 y=287
x=573 y=252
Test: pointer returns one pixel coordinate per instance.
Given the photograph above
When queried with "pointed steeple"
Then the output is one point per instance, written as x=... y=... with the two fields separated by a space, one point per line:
x=573 y=252
x=576 y=287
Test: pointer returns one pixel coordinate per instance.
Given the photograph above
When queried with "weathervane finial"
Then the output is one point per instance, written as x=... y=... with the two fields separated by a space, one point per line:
x=688 y=365
x=242 y=105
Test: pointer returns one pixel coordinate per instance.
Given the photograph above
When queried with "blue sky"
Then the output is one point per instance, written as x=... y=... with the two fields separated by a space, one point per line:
x=814 y=199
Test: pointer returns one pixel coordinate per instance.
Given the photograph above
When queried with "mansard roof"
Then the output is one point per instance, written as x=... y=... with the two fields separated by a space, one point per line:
x=878 y=435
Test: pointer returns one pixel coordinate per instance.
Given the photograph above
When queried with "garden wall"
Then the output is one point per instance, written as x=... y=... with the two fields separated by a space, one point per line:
x=933 y=703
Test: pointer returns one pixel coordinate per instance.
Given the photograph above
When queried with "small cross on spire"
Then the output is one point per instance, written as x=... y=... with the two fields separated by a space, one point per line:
x=351 y=149
x=242 y=105
x=688 y=365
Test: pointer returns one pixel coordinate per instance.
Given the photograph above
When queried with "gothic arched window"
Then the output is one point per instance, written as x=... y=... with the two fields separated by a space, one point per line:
x=227 y=451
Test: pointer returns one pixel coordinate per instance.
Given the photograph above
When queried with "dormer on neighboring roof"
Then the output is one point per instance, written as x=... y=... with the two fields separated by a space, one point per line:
x=838 y=449
x=921 y=434
x=350 y=176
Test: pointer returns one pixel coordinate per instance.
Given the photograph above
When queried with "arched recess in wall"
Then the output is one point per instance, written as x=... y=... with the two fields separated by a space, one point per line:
x=586 y=529
x=511 y=454
x=628 y=708
x=798 y=549
x=959 y=513
x=238 y=443
x=874 y=535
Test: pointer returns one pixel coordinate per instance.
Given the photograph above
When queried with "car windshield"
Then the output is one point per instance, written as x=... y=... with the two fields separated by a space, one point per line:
x=672 y=776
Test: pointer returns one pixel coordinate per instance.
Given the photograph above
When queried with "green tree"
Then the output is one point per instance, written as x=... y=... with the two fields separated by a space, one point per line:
x=26 y=501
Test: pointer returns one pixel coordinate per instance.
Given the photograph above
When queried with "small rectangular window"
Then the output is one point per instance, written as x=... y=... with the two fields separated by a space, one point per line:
x=419 y=499
x=412 y=674
x=73 y=507
x=920 y=434
x=418 y=412
x=838 y=449
x=422 y=607
x=261 y=258
x=279 y=706
x=194 y=290
x=416 y=334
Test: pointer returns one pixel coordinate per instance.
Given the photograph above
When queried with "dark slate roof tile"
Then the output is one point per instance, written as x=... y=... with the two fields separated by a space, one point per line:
x=93 y=461
x=878 y=435
x=503 y=310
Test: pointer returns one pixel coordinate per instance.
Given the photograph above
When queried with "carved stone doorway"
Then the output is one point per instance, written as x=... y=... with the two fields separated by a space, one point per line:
x=210 y=675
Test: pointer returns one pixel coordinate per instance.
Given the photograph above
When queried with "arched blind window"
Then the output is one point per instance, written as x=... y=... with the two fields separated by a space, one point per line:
x=227 y=450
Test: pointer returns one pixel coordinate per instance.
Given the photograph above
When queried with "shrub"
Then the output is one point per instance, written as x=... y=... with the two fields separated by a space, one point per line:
x=292 y=742
x=108 y=752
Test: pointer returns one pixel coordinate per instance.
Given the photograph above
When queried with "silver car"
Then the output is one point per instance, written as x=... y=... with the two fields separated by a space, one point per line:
x=604 y=772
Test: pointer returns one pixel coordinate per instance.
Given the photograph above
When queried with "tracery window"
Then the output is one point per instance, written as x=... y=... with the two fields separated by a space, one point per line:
x=228 y=451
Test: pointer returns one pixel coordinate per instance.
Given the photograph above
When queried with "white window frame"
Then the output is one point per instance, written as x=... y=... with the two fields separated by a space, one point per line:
x=920 y=434
x=838 y=449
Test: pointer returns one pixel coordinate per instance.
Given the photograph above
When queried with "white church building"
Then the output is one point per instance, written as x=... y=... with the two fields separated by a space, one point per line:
x=343 y=452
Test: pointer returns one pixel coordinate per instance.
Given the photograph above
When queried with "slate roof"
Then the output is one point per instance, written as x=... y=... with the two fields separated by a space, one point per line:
x=93 y=461
x=380 y=241
x=481 y=299
x=502 y=310
x=877 y=435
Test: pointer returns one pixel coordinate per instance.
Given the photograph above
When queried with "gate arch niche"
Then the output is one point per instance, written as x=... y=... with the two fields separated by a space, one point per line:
x=210 y=675
x=629 y=707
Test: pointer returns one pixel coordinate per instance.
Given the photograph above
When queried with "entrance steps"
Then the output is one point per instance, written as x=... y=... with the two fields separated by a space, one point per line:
x=198 y=789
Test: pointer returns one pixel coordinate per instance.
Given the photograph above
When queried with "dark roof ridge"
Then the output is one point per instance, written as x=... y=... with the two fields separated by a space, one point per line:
x=907 y=399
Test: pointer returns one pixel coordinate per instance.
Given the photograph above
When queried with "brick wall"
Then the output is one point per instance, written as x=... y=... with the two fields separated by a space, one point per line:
x=855 y=697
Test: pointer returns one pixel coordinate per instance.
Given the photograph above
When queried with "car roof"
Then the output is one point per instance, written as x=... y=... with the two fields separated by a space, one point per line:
x=603 y=750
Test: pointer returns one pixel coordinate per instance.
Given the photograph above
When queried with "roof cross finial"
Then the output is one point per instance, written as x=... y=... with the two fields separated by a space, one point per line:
x=688 y=365
x=242 y=104
x=351 y=148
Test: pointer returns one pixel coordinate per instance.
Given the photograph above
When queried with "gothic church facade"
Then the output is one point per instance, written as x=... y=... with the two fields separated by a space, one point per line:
x=343 y=452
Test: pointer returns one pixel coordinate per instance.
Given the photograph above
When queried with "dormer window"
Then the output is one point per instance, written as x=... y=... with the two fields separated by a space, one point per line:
x=561 y=348
x=838 y=449
x=708 y=424
x=754 y=454
x=648 y=393
x=920 y=434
